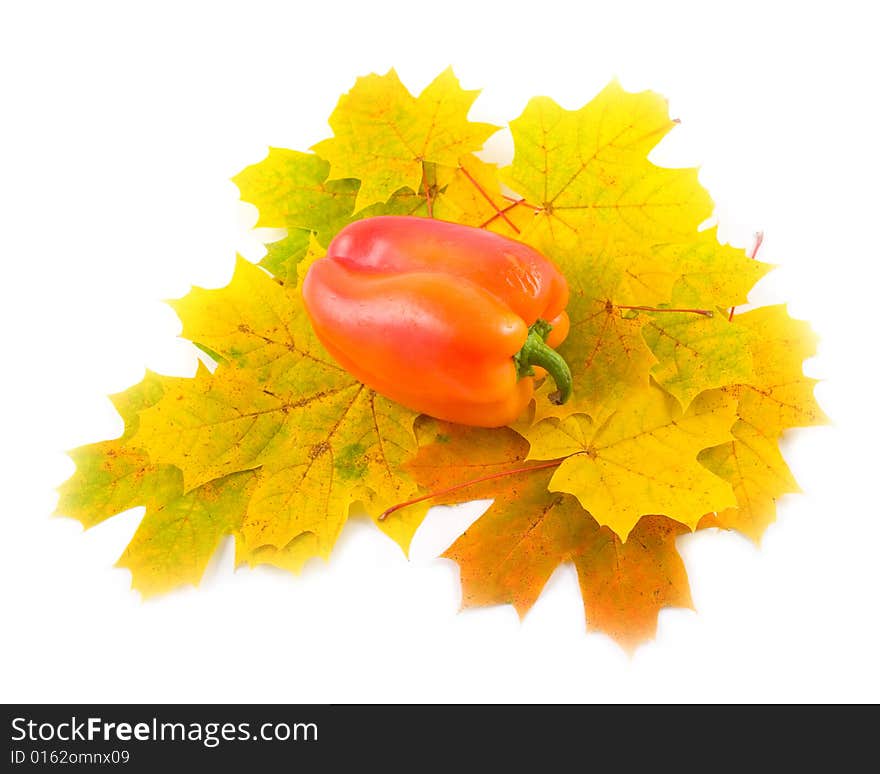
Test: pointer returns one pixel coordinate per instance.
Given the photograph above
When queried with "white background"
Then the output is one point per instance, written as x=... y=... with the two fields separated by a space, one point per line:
x=122 y=123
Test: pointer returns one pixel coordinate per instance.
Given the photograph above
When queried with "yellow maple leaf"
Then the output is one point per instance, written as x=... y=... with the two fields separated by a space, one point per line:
x=756 y=470
x=292 y=557
x=778 y=395
x=612 y=351
x=608 y=359
x=586 y=171
x=383 y=135
x=709 y=274
x=605 y=349
x=180 y=531
x=471 y=194
x=113 y=476
x=624 y=233
x=278 y=402
x=175 y=541
x=348 y=450
x=217 y=424
x=642 y=459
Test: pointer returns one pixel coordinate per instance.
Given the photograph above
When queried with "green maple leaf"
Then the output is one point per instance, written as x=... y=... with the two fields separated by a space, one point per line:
x=697 y=353
x=293 y=192
x=114 y=476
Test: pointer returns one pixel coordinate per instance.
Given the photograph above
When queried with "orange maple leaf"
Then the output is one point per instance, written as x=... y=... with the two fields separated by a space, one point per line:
x=508 y=555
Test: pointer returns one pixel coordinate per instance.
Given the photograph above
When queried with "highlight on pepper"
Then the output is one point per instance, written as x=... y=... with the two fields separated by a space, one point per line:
x=449 y=320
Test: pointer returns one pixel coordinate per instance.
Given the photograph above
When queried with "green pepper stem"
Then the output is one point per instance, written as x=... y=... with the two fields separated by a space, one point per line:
x=535 y=352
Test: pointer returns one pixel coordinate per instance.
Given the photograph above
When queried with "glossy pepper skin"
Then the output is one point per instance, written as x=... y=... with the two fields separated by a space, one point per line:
x=431 y=314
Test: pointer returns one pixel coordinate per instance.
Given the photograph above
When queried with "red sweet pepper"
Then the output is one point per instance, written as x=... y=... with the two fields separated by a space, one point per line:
x=446 y=319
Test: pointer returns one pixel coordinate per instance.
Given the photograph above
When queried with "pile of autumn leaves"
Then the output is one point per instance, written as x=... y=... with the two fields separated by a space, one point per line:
x=674 y=423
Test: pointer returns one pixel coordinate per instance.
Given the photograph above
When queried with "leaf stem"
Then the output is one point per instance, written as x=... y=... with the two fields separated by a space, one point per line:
x=522 y=202
x=440 y=492
x=704 y=312
x=759 y=238
x=498 y=212
x=429 y=202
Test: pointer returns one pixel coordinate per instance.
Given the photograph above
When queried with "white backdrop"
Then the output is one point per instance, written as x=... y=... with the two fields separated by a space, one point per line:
x=122 y=124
